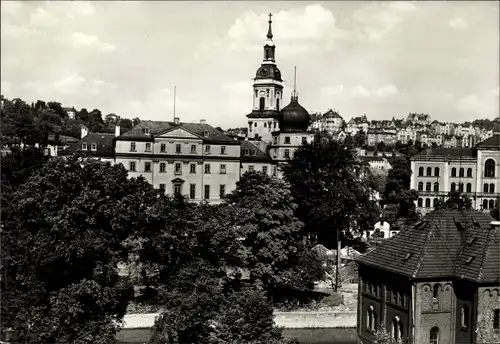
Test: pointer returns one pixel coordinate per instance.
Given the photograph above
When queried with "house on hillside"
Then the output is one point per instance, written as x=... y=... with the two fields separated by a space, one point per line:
x=433 y=282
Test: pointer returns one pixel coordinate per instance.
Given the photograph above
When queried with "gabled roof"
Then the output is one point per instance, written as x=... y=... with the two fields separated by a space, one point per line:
x=491 y=143
x=332 y=114
x=250 y=152
x=157 y=127
x=442 y=245
x=104 y=142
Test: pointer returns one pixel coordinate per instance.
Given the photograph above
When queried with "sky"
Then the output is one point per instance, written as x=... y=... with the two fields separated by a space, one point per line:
x=378 y=58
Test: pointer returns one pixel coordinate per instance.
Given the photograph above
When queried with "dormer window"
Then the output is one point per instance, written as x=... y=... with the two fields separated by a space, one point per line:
x=145 y=131
x=84 y=146
x=205 y=133
x=93 y=147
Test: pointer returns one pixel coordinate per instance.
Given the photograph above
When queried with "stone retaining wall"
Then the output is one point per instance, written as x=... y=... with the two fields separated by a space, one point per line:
x=315 y=319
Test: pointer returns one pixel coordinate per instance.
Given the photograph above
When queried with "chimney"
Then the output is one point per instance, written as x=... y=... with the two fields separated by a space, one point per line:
x=203 y=121
x=84 y=131
x=495 y=225
x=117 y=130
x=176 y=121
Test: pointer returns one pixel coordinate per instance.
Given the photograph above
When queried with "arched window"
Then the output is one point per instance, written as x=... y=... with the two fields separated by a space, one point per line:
x=485 y=188
x=262 y=103
x=469 y=173
x=436 y=171
x=491 y=204
x=256 y=93
x=278 y=104
x=485 y=204
x=489 y=168
x=429 y=171
x=492 y=188
x=420 y=203
x=427 y=202
x=434 y=202
x=453 y=172
x=420 y=186
x=435 y=291
x=469 y=187
x=453 y=186
x=434 y=336
x=464 y=316
x=371 y=319
x=436 y=186
x=428 y=186
x=397 y=329
x=461 y=172
x=461 y=187
x=421 y=171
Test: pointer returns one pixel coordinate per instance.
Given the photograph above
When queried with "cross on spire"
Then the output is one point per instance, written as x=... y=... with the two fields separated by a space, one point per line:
x=270 y=32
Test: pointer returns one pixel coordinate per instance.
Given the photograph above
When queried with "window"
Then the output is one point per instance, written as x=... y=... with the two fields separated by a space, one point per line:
x=178 y=168
x=434 y=202
x=278 y=104
x=371 y=319
x=485 y=204
x=178 y=189
x=275 y=140
x=131 y=166
x=250 y=167
x=147 y=167
x=192 y=191
x=207 y=149
x=265 y=125
x=163 y=148
x=255 y=124
x=304 y=140
x=469 y=173
x=436 y=171
x=435 y=291
x=485 y=188
x=428 y=186
x=163 y=167
x=461 y=173
x=460 y=187
x=491 y=204
x=84 y=146
x=492 y=188
x=207 y=168
x=192 y=168
x=193 y=148
x=496 y=318
x=222 y=191
x=429 y=171
x=93 y=147
x=162 y=187
x=132 y=146
x=264 y=169
x=287 y=139
x=436 y=187
x=464 y=316
x=207 y=191
x=489 y=168
x=434 y=336
x=397 y=328
x=453 y=172
x=178 y=148
x=427 y=202
x=222 y=150
x=146 y=131
x=222 y=169
x=148 y=147
x=287 y=153
x=262 y=104
x=453 y=187
x=469 y=187
x=420 y=203
x=421 y=171
x=420 y=186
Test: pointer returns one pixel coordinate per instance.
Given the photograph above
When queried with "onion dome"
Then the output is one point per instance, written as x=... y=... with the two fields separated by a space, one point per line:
x=268 y=71
x=294 y=117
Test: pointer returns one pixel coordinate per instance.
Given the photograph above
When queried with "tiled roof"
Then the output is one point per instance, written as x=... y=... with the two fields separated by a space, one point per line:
x=157 y=127
x=104 y=141
x=256 y=155
x=463 y=153
x=490 y=143
x=332 y=114
x=264 y=114
x=442 y=245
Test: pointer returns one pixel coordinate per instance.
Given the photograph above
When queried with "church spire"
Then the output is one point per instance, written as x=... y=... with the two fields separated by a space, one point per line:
x=295 y=95
x=270 y=31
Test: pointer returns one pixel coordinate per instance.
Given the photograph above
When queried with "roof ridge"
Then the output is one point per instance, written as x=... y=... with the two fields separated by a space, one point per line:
x=422 y=253
x=483 y=258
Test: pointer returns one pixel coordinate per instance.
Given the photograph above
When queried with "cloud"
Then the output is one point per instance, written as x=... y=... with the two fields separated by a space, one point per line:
x=359 y=91
x=11 y=7
x=479 y=105
x=238 y=99
x=83 y=41
x=458 y=23
x=297 y=30
x=495 y=91
x=376 y=20
x=42 y=18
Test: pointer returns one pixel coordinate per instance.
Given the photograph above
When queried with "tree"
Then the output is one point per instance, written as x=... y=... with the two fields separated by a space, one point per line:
x=126 y=124
x=83 y=114
x=273 y=238
x=381 y=146
x=136 y=121
x=73 y=217
x=456 y=200
x=360 y=138
x=332 y=189
x=495 y=212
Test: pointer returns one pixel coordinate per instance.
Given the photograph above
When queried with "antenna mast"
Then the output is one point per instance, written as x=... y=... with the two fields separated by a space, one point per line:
x=175 y=94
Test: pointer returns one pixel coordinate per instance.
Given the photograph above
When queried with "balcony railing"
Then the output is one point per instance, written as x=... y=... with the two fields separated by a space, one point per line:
x=470 y=194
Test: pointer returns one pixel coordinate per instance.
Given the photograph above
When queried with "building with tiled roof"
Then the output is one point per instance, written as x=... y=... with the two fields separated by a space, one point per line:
x=473 y=171
x=431 y=283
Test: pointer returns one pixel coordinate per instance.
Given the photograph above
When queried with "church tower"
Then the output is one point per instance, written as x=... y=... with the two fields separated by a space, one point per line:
x=267 y=93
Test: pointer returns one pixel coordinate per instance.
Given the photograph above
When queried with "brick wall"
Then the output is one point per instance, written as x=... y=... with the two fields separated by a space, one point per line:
x=488 y=300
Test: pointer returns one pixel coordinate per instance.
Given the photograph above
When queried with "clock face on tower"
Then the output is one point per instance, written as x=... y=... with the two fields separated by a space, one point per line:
x=263 y=72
